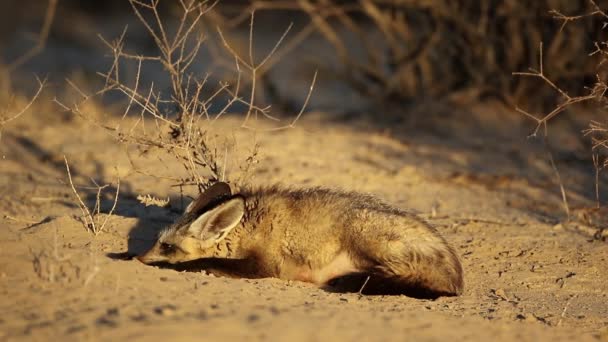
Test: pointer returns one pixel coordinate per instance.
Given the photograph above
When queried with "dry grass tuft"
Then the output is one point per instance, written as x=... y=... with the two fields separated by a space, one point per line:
x=91 y=217
x=408 y=50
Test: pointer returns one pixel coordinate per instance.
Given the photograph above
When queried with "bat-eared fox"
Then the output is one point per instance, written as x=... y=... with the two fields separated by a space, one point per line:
x=329 y=238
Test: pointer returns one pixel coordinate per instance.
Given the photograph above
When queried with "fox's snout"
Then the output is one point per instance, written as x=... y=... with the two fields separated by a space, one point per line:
x=150 y=256
x=147 y=259
x=142 y=258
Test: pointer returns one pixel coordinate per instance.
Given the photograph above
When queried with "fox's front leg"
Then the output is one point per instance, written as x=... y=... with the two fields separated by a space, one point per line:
x=232 y=268
x=235 y=268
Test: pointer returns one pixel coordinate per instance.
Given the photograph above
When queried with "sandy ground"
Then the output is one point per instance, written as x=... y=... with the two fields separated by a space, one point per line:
x=528 y=276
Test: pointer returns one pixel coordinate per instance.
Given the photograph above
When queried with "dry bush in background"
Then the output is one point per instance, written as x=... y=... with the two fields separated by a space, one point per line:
x=40 y=40
x=15 y=105
x=467 y=50
x=411 y=49
x=179 y=121
x=593 y=94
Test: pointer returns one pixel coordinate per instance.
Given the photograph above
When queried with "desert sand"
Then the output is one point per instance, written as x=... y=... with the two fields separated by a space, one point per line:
x=467 y=168
x=528 y=277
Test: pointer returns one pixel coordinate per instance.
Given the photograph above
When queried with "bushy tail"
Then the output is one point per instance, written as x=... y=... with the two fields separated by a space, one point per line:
x=419 y=269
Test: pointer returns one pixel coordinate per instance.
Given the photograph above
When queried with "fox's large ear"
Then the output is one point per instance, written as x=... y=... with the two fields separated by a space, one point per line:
x=213 y=193
x=214 y=225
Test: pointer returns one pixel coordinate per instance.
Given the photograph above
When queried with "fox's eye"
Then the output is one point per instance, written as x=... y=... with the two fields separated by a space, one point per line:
x=167 y=248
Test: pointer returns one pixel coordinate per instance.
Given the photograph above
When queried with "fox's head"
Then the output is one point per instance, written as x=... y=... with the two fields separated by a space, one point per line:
x=206 y=222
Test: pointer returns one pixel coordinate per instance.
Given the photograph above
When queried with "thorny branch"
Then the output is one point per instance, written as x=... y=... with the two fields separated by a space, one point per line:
x=183 y=120
x=597 y=130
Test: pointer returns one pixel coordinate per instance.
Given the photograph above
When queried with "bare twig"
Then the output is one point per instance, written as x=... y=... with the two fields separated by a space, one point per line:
x=567 y=101
x=252 y=66
x=42 y=37
x=91 y=216
x=561 y=184
x=565 y=19
x=561 y=317
x=8 y=217
x=91 y=275
x=4 y=120
x=597 y=92
x=292 y=124
x=89 y=222
x=107 y=217
x=598 y=168
x=363 y=286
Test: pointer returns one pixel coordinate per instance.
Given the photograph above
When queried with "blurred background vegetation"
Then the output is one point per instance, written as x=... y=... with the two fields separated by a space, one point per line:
x=376 y=58
x=387 y=50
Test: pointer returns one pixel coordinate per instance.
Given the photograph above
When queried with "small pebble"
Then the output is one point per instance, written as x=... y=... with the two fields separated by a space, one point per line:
x=166 y=310
x=106 y=322
x=113 y=312
x=501 y=294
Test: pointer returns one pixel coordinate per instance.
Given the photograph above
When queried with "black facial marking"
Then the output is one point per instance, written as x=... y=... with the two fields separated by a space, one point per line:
x=166 y=248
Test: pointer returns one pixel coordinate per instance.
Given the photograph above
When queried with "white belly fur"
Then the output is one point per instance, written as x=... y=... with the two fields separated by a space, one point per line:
x=341 y=265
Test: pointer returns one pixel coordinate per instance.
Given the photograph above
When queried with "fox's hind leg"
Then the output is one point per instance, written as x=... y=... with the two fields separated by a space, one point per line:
x=417 y=268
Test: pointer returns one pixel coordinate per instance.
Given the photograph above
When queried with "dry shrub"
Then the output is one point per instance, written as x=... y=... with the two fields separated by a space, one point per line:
x=179 y=121
x=593 y=94
x=410 y=49
x=91 y=217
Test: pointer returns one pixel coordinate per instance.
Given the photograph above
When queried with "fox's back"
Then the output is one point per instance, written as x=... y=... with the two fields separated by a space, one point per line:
x=313 y=226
